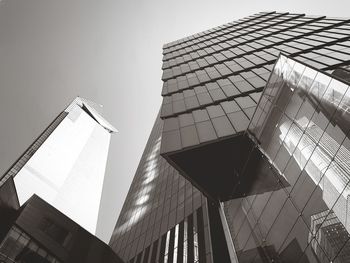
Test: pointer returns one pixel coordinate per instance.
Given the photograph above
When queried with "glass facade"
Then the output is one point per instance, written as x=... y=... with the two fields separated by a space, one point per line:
x=301 y=126
x=19 y=247
x=223 y=114
x=164 y=218
x=65 y=166
x=231 y=63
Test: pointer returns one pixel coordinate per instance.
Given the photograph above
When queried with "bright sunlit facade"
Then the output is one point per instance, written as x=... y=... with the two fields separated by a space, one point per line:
x=66 y=166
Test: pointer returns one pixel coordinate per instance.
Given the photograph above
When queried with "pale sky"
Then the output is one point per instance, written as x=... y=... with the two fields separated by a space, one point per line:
x=108 y=51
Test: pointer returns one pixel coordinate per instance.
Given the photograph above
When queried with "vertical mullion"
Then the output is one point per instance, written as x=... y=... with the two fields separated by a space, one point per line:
x=162 y=248
x=154 y=251
x=185 y=240
x=201 y=239
x=190 y=241
x=180 y=248
x=146 y=254
x=171 y=245
x=176 y=243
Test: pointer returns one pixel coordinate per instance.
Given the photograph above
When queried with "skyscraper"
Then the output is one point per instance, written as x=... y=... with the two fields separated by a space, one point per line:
x=161 y=208
x=65 y=166
x=238 y=161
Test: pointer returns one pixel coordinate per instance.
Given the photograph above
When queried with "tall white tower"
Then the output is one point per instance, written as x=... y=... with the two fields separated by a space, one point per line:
x=66 y=165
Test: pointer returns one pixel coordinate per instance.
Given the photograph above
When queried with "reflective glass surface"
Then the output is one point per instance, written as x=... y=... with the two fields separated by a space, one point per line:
x=212 y=82
x=164 y=217
x=301 y=125
x=17 y=246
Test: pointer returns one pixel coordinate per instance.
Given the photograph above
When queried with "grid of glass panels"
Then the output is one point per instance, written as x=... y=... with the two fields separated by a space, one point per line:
x=208 y=34
x=214 y=92
x=302 y=125
x=205 y=77
x=158 y=202
x=185 y=242
x=272 y=29
x=17 y=246
x=209 y=123
x=245 y=25
x=236 y=59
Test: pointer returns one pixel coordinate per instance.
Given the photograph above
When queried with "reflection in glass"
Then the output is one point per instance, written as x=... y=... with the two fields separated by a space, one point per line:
x=166 y=256
x=140 y=206
x=318 y=151
x=301 y=125
x=185 y=241
x=328 y=234
x=176 y=242
x=195 y=243
x=325 y=157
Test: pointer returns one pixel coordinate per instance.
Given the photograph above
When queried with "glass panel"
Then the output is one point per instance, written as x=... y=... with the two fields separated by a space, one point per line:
x=282 y=225
x=272 y=210
x=344 y=254
x=328 y=233
x=295 y=242
x=313 y=255
x=302 y=126
x=251 y=247
x=17 y=247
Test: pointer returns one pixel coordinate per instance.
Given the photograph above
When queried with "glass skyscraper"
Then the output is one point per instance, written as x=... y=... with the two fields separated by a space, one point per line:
x=248 y=158
x=50 y=198
x=161 y=208
x=66 y=165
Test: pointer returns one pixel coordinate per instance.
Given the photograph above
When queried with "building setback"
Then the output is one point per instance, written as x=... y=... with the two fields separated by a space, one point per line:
x=243 y=165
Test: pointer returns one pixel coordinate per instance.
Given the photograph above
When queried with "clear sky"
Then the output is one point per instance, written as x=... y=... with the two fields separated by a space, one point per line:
x=108 y=51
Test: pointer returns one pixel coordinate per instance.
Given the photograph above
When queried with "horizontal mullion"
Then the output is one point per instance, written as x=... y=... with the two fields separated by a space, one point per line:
x=222 y=34
x=255 y=16
x=253 y=31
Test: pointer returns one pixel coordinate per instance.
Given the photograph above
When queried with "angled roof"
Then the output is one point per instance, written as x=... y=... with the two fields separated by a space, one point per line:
x=93 y=110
